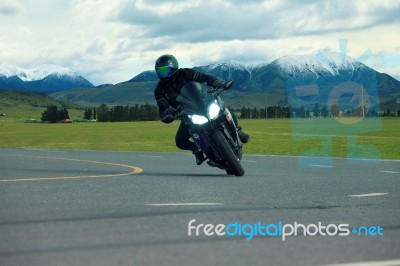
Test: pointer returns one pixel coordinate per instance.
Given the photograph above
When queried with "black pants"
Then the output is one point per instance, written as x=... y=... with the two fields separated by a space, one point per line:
x=182 y=136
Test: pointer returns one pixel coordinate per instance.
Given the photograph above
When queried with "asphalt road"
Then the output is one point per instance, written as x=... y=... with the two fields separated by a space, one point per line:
x=130 y=208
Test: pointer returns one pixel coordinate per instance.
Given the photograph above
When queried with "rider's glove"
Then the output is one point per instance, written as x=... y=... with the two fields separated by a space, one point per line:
x=217 y=84
x=168 y=119
x=168 y=115
x=169 y=111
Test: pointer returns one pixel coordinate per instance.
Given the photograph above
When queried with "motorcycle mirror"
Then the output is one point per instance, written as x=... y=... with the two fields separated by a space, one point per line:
x=228 y=85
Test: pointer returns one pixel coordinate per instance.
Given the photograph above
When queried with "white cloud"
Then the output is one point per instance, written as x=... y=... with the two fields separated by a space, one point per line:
x=111 y=41
x=11 y=7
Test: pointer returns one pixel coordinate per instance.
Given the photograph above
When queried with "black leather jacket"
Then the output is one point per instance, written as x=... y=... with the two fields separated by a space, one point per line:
x=167 y=90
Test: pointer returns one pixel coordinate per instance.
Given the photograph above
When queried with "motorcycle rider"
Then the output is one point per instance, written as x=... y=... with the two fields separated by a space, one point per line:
x=172 y=79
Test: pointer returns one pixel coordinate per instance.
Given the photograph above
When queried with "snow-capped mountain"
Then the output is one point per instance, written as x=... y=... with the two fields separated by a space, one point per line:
x=40 y=72
x=253 y=82
x=315 y=65
x=227 y=65
x=43 y=78
x=149 y=75
x=326 y=73
x=249 y=77
x=230 y=70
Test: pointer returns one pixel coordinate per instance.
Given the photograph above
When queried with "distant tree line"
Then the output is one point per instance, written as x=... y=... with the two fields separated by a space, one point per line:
x=53 y=115
x=89 y=114
x=147 y=112
x=389 y=113
x=119 y=113
x=262 y=113
x=302 y=112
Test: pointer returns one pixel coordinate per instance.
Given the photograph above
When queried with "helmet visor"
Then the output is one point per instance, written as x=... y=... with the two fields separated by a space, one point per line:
x=165 y=71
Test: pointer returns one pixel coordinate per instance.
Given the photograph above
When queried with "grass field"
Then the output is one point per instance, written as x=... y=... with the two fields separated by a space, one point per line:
x=370 y=138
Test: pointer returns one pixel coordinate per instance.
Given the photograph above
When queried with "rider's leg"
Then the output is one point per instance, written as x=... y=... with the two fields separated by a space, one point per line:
x=242 y=135
x=182 y=142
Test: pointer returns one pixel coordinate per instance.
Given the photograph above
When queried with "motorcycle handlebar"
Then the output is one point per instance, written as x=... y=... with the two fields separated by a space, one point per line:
x=226 y=86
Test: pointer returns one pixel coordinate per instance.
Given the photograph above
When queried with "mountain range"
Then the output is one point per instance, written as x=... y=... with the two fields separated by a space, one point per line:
x=43 y=78
x=290 y=80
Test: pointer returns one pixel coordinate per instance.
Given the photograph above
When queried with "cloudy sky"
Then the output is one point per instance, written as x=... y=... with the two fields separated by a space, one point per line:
x=112 y=41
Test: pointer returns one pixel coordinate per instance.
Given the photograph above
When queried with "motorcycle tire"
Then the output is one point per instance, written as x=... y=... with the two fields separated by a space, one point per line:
x=228 y=154
x=229 y=172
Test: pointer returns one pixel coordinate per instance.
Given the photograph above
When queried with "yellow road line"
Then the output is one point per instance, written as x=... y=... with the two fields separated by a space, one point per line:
x=135 y=170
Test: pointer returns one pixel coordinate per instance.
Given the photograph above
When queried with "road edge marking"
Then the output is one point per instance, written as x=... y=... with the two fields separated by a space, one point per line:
x=135 y=170
x=369 y=195
x=184 y=204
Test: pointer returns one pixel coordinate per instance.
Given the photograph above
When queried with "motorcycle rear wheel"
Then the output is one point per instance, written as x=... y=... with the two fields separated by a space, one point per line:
x=228 y=154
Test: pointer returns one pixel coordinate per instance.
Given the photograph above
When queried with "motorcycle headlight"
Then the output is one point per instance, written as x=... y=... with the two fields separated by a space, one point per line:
x=198 y=119
x=213 y=110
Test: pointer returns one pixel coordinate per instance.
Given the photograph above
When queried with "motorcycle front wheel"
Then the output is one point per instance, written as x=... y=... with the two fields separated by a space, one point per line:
x=228 y=154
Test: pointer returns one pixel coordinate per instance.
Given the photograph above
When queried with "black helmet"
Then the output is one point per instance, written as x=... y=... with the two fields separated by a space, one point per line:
x=166 y=65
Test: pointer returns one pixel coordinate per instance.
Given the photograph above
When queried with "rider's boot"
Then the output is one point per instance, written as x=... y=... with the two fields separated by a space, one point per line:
x=199 y=156
x=244 y=138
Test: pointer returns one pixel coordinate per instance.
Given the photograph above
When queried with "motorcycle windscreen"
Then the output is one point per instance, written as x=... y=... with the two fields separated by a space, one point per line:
x=193 y=96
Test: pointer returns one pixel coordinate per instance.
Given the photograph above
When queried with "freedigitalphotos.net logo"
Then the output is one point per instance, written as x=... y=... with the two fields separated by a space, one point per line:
x=279 y=229
x=345 y=92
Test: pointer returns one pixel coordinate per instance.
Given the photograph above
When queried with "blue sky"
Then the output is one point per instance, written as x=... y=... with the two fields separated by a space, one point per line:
x=112 y=41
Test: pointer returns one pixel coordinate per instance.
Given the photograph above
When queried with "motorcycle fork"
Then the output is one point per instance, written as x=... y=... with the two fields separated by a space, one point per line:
x=230 y=132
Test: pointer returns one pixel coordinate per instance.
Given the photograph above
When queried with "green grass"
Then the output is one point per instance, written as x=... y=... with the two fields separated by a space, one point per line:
x=21 y=105
x=378 y=138
x=371 y=138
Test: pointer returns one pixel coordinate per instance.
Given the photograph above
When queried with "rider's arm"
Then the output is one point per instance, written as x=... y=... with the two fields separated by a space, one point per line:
x=164 y=107
x=194 y=75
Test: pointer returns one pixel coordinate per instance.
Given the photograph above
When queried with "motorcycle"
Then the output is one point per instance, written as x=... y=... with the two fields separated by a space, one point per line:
x=212 y=126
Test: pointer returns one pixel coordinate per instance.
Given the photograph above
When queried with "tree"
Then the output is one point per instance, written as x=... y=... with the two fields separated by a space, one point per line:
x=51 y=114
x=103 y=113
x=255 y=113
x=271 y=111
x=87 y=114
x=372 y=113
x=286 y=112
x=324 y=112
x=133 y=114
x=317 y=110
x=302 y=112
x=335 y=111
x=244 y=113
x=388 y=113
x=63 y=114
x=263 y=113
x=150 y=113
x=116 y=113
